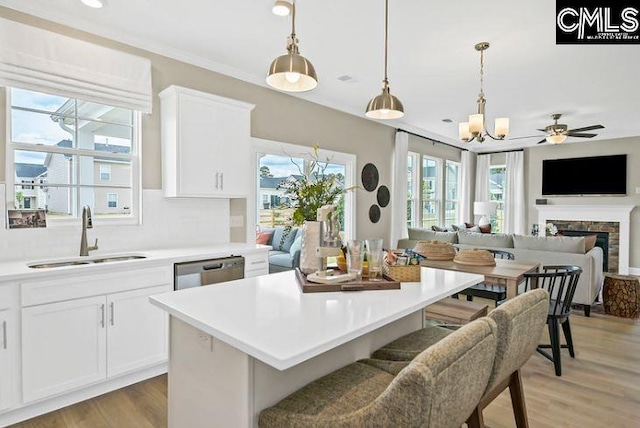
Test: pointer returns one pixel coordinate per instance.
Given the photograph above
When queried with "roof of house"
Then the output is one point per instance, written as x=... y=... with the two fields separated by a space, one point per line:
x=29 y=170
x=273 y=182
x=100 y=147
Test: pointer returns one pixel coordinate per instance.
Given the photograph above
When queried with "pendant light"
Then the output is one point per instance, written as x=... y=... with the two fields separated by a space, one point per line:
x=292 y=72
x=385 y=105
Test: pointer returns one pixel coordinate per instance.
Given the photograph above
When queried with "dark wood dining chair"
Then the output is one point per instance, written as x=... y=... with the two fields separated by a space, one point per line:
x=561 y=283
x=489 y=291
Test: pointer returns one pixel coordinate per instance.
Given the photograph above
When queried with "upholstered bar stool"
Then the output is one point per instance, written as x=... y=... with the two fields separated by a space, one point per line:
x=439 y=388
x=520 y=322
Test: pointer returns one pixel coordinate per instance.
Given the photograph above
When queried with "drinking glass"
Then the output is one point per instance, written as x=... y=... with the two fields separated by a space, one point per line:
x=355 y=257
x=374 y=252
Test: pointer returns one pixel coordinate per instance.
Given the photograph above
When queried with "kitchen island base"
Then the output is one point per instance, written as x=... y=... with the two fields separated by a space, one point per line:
x=212 y=384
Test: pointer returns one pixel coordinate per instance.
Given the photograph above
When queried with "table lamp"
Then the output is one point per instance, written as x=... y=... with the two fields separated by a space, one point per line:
x=485 y=209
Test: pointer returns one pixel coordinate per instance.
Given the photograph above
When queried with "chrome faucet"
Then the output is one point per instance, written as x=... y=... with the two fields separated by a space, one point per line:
x=86 y=224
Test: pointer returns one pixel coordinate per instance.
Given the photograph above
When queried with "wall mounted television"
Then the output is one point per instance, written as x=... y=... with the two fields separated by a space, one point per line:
x=597 y=175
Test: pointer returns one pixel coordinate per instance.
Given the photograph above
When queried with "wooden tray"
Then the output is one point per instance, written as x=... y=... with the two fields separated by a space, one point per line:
x=387 y=283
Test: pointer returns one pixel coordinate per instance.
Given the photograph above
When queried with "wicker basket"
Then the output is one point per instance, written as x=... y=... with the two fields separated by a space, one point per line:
x=403 y=273
x=435 y=250
x=474 y=257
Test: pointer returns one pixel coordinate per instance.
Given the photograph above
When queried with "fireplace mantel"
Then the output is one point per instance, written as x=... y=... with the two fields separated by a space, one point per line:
x=614 y=213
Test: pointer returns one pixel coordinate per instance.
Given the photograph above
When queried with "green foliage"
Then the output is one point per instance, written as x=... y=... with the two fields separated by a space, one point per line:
x=19 y=198
x=313 y=189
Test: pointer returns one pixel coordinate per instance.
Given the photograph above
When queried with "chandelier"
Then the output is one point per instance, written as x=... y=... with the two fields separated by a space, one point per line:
x=475 y=127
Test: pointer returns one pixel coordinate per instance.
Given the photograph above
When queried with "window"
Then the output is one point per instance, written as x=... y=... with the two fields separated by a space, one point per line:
x=105 y=172
x=496 y=189
x=435 y=189
x=112 y=200
x=451 y=191
x=74 y=153
x=280 y=162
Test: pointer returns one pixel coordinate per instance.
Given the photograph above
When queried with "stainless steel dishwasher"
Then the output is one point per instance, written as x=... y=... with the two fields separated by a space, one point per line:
x=206 y=272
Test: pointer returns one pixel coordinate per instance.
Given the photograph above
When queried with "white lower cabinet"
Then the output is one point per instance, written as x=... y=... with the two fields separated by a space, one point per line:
x=137 y=331
x=256 y=264
x=63 y=346
x=74 y=343
x=7 y=353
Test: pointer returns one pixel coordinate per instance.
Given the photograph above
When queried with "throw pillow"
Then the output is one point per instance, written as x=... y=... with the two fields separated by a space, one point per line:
x=589 y=242
x=439 y=229
x=485 y=228
x=263 y=238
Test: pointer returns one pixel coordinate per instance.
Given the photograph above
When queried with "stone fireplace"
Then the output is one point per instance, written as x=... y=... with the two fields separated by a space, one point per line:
x=608 y=238
x=614 y=220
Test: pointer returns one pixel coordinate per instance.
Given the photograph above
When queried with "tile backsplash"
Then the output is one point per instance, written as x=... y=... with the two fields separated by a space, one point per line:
x=166 y=223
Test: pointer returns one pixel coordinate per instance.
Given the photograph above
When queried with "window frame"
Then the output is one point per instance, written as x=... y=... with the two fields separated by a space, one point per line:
x=262 y=146
x=441 y=183
x=446 y=200
x=134 y=157
x=107 y=173
x=109 y=194
x=497 y=223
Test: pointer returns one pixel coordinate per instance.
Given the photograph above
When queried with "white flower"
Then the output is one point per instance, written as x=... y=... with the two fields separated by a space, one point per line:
x=551 y=229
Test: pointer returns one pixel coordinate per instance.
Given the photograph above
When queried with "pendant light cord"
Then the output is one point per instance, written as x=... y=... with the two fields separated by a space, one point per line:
x=386 y=39
x=293 y=19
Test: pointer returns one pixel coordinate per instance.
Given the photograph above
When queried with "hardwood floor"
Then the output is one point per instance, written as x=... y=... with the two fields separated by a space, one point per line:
x=599 y=388
x=143 y=405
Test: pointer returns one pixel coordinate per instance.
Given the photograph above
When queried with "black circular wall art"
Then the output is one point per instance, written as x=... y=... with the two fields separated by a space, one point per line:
x=383 y=196
x=370 y=177
x=374 y=213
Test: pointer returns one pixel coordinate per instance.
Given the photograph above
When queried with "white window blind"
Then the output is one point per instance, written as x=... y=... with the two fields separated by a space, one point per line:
x=43 y=61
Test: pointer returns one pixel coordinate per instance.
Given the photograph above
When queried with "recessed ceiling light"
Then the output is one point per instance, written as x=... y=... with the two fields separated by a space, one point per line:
x=96 y=4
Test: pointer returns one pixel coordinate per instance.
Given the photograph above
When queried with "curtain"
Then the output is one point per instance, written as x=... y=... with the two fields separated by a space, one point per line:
x=42 y=61
x=514 y=213
x=483 y=163
x=467 y=163
x=399 y=192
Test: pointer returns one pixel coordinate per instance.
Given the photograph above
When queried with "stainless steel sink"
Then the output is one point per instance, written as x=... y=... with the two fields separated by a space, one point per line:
x=84 y=261
x=117 y=259
x=58 y=264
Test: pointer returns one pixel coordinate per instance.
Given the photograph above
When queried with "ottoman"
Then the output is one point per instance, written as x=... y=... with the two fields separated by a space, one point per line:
x=621 y=295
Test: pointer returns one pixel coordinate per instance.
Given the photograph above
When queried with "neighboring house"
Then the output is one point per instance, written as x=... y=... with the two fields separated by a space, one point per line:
x=27 y=176
x=271 y=195
x=60 y=169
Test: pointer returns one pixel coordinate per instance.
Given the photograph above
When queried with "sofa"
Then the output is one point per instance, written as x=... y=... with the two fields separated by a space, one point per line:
x=551 y=250
x=285 y=252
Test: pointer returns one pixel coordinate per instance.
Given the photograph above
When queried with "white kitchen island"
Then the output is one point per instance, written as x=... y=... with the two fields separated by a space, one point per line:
x=241 y=346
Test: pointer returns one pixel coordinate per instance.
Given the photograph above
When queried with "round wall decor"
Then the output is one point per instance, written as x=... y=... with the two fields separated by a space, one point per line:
x=370 y=177
x=384 y=196
x=374 y=213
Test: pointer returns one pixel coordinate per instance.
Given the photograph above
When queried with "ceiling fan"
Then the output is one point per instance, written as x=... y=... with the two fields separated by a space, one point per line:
x=557 y=133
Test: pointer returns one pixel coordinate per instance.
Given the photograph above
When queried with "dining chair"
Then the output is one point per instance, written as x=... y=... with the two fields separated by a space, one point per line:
x=489 y=291
x=439 y=388
x=560 y=282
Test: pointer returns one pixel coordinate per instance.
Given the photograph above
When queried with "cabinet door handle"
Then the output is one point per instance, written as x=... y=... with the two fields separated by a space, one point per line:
x=4 y=334
x=102 y=315
x=113 y=313
x=221 y=180
x=217 y=180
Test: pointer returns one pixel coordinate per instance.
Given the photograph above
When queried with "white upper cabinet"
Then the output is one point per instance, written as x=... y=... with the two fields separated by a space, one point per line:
x=205 y=144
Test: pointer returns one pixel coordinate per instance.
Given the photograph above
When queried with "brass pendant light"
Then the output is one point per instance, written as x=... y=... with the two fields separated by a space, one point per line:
x=385 y=105
x=292 y=72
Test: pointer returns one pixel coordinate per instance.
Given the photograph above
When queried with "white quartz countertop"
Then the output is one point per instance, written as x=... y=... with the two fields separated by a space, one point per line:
x=20 y=269
x=269 y=318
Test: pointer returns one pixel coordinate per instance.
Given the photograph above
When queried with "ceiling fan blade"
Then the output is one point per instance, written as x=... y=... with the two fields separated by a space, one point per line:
x=519 y=138
x=542 y=141
x=582 y=135
x=587 y=128
x=542 y=130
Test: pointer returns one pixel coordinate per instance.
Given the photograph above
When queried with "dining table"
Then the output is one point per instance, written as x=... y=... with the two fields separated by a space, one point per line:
x=508 y=273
